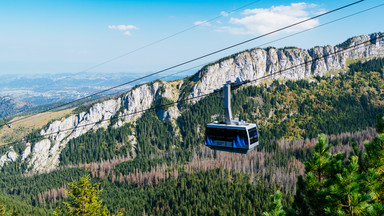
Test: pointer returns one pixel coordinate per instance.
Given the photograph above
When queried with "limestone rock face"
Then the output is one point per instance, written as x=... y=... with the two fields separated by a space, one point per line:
x=76 y=125
x=10 y=156
x=170 y=113
x=26 y=152
x=248 y=65
x=256 y=63
x=40 y=156
x=3 y=160
x=141 y=98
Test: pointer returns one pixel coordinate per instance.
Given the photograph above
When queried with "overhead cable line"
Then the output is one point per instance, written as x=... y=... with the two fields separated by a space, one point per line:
x=193 y=60
x=356 y=46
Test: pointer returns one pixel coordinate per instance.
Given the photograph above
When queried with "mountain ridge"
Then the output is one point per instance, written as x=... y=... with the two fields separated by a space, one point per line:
x=44 y=155
x=255 y=63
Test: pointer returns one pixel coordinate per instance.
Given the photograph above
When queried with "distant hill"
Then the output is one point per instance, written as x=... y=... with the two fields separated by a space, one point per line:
x=43 y=89
x=11 y=106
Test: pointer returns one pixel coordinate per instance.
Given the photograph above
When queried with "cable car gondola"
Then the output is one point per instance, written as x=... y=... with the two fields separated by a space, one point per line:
x=231 y=135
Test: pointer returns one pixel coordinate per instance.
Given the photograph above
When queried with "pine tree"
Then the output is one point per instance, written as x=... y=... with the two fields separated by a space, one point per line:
x=275 y=206
x=320 y=160
x=316 y=170
x=85 y=199
x=374 y=176
x=345 y=194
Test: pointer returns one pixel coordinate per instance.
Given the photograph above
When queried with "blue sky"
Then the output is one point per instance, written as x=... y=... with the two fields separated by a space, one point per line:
x=69 y=36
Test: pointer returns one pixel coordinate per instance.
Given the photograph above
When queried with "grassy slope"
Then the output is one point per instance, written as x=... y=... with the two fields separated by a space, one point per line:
x=22 y=128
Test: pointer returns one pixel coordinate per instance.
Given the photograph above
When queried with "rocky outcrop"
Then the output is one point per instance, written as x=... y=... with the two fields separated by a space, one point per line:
x=248 y=65
x=168 y=114
x=140 y=99
x=10 y=156
x=256 y=63
x=26 y=152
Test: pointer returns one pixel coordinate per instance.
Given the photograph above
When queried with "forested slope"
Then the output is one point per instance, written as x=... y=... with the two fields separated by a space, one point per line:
x=42 y=155
x=171 y=173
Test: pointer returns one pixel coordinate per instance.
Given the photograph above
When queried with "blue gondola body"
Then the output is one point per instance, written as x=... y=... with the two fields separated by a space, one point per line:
x=241 y=138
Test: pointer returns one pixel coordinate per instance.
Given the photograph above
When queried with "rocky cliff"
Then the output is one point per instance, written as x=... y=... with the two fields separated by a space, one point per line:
x=247 y=65
x=253 y=64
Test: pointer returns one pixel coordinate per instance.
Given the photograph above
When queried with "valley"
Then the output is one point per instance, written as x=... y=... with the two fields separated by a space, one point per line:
x=154 y=162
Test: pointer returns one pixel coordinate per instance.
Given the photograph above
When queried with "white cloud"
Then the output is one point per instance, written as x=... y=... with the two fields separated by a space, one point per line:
x=295 y=9
x=124 y=28
x=224 y=13
x=321 y=11
x=263 y=20
x=202 y=23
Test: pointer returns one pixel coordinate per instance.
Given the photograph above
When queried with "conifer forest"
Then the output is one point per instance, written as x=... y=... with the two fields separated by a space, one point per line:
x=321 y=152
